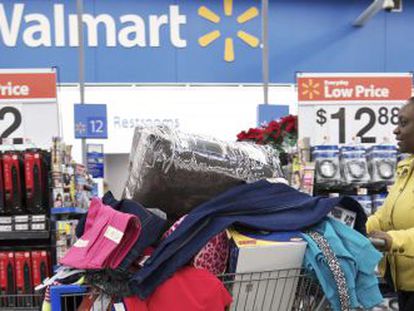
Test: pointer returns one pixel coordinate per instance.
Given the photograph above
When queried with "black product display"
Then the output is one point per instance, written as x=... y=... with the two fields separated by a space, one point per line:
x=13 y=183
x=35 y=181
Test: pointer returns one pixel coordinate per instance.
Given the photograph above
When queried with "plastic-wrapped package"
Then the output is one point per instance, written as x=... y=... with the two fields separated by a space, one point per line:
x=175 y=171
x=382 y=163
x=354 y=165
x=326 y=158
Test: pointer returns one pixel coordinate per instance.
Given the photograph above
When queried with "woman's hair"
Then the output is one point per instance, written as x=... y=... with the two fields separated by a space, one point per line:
x=410 y=100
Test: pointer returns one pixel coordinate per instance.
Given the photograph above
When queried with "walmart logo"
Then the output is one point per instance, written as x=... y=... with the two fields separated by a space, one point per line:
x=209 y=38
x=310 y=89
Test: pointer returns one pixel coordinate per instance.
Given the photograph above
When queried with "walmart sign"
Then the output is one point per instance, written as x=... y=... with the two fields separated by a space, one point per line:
x=135 y=41
x=215 y=41
x=35 y=29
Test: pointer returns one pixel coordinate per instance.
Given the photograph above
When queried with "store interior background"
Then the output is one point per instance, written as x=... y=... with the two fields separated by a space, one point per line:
x=193 y=87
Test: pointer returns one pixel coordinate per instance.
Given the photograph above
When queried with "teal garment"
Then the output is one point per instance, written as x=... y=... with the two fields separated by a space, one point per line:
x=357 y=257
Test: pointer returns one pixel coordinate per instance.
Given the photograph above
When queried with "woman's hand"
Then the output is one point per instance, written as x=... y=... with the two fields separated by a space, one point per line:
x=383 y=236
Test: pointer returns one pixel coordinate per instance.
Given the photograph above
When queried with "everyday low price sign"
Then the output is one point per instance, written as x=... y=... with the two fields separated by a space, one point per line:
x=28 y=105
x=337 y=108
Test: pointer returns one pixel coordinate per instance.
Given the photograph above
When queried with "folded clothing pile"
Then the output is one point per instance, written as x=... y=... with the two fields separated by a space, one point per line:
x=108 y=237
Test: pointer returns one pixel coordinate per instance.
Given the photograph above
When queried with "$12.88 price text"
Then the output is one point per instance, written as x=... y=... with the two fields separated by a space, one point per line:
x=382 y=116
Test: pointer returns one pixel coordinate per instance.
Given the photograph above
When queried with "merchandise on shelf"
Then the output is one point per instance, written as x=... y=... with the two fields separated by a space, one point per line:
x=7 y=279
x=65 y=236
x=36 y=180
x=327 y=168
x=24 y=185
x=354 y=165
x=20 y=272
x=71 y=183
x=13 y=183
x=382 y=163
x=24 y=283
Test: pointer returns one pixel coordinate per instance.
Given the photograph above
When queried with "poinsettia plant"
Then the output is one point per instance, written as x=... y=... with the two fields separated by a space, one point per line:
x=281 y=134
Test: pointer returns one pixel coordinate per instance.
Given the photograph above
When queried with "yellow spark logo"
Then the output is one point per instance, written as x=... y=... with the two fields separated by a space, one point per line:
x=310 y=89
x=210 y=37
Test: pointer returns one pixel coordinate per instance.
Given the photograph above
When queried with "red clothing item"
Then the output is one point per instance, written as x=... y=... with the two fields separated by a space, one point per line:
x=189 y=289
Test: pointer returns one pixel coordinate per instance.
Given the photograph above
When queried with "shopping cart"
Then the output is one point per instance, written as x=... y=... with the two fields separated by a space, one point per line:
x=278 y=290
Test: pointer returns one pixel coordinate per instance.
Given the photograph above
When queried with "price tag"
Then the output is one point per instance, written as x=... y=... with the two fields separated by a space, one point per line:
x=28 y=109
x=371 y=123
x=337 y=108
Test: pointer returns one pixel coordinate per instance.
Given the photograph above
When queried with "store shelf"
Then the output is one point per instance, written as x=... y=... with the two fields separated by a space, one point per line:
x=24 y=235
x=67 y=210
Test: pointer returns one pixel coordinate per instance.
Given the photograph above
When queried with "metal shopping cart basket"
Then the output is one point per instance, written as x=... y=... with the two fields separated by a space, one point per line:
x=279 y=290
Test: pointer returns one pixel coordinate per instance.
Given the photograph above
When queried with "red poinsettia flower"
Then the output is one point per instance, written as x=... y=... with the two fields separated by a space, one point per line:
x=255 y=134
x=289 y=123
x=242 y=136
x=276 y=133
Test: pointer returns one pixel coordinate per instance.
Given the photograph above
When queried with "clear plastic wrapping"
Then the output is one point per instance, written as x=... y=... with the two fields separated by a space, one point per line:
x=175 y=171
x=326 y=158
x=354 y=165
x=382 y=163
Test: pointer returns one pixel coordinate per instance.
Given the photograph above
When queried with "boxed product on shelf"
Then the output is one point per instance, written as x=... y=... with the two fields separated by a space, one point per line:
x=65 y=236
x=36 y=179
x=382 y=163
x=40 y=266
x=258 y=252
x=13 y=183
x=327 y=166
x=24 y=284
x=354 y=164
x=7 y=279
x=2 y=203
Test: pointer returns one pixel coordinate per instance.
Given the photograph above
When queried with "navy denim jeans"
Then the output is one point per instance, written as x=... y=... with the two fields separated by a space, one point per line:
x=152 y=227
x=261 y=205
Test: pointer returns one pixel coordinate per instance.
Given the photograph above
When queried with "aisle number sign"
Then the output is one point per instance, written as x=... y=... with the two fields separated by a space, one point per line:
x=342 y=108
x=91 y=121
x=28 y=105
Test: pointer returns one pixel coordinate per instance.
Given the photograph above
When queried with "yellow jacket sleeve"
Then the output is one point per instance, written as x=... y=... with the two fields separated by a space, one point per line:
x=402 y=242
x=375 y=221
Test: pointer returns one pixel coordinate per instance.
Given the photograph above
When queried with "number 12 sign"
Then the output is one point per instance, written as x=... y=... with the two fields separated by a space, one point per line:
x=337 y=108
x=91 y=121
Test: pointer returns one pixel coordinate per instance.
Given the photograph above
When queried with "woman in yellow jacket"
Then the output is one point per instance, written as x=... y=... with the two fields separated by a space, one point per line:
x=394 y=221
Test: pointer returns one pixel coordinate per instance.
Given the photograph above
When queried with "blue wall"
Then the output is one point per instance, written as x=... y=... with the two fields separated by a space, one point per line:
x=305 y=35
